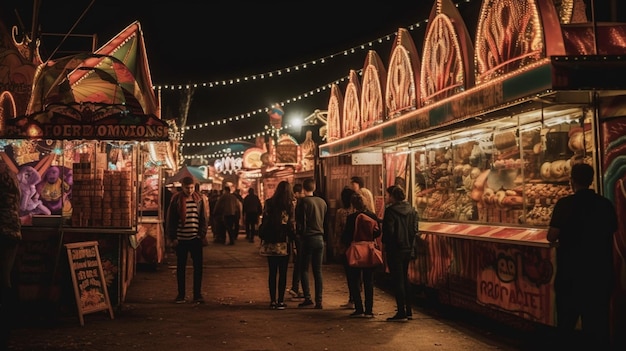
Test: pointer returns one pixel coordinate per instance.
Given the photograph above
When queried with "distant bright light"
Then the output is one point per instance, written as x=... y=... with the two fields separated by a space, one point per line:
x=296 y=121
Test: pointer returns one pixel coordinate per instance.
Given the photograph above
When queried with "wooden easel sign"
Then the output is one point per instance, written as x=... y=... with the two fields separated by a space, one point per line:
x=90 y=287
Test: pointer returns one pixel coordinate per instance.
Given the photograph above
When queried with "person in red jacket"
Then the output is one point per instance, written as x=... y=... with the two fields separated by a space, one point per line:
x=355 y=274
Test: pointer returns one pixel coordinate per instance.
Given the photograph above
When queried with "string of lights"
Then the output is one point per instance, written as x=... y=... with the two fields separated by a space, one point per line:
x=286 y=70
x=291 y=69
x=272 y=74
x=225 y=152
x=265 y=109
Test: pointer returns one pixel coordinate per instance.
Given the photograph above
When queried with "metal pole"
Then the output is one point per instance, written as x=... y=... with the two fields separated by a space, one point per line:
x=34 y=32
x=595 y=27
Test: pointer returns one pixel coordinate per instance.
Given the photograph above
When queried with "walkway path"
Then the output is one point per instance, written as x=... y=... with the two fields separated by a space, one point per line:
x=236 y=317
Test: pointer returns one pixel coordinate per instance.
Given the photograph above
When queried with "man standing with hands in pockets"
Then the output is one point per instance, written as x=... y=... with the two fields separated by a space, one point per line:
x=186 y=225
x=310 y=216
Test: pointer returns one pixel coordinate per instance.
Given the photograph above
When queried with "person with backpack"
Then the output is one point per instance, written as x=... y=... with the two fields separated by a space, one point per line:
x=361 y=225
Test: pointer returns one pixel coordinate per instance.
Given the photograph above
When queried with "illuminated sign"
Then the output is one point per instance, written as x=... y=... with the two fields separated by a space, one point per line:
x=228 y=165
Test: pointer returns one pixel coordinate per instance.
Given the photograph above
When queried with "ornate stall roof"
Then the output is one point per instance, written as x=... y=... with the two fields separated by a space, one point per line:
x=401 y=93
x=541 y=50
x=102 y=95
x=335 y=113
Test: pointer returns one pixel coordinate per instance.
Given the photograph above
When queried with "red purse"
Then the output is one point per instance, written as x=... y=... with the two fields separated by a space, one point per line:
x=364 y=254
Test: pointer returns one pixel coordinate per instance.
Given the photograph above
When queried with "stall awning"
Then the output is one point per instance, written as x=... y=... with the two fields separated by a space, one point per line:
x=188 y=171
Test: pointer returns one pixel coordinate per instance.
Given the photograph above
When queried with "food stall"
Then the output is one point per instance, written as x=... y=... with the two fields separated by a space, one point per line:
x=156 y=158
x=76 y=149
x=483 y=138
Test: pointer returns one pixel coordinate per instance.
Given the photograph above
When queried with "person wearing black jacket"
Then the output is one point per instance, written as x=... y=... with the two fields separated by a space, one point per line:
x=252 y=209
x=400 y=225
x=355 y=274
x=279 y=215
x=582 y=228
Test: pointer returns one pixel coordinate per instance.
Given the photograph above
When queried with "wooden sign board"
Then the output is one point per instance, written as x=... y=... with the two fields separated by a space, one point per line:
x=90 y=287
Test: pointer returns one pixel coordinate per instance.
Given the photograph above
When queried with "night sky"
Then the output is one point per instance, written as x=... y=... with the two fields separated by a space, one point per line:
x=219 y=41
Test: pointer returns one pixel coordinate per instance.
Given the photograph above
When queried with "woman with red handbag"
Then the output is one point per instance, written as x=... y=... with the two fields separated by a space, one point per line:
x=354 y=231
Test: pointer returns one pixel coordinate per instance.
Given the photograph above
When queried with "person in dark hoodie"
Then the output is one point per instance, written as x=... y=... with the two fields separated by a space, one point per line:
x=400 y=224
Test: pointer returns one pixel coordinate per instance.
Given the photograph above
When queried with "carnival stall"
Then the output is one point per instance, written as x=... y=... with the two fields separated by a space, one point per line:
x=77 y=152
x=483 y=136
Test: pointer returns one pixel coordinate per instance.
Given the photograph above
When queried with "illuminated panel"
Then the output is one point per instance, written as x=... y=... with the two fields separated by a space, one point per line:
x=351 y=112
x=401 y=91
x=372 y=109
x=7 y=109
x=334 y=114
x=509 y=36
x=571 y=11
x=442 y=73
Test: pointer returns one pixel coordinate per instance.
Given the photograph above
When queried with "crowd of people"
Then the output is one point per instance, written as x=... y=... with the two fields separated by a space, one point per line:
x=297 y=217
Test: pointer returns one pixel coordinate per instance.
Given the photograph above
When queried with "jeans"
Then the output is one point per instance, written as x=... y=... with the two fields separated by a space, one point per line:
x=277 y=266
x=355 y=276
x=312 y=253
x=231 y=222
x=183 y=249
x=398 y=263
x=251 y=228
x=297 y=264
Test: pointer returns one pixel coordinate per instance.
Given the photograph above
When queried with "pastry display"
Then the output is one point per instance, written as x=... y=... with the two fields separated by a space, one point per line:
x=520 y=178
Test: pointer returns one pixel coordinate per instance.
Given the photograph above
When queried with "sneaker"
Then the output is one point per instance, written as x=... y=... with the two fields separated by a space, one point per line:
x=273 y=305
x=318 y=306
x=368 y=315
x=180 y=299
x=293 y=293
x=349 y=305
x=305 y=303
x=198 y=299
x=397 y=318
x=281 y=306
x=356 y=314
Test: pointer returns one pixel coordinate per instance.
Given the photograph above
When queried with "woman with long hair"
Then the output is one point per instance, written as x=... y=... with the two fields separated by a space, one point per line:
x=279 y=213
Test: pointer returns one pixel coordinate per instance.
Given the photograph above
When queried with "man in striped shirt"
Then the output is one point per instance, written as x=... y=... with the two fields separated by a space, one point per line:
x=186 y=224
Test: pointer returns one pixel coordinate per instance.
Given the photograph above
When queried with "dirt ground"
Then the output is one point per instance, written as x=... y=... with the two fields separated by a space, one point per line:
x=236 y=316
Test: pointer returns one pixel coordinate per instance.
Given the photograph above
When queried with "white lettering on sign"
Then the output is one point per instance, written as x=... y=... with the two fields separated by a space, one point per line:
x=228 y=165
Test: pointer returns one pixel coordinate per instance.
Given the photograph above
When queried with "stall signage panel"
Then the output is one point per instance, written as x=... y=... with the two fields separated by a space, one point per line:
x=287 y=154
x=119 y=126
x=477 y=100
x=90 y=287
x=517 y=280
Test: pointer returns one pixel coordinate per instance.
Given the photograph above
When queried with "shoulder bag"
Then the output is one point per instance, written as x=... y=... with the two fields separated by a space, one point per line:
x=363 y=254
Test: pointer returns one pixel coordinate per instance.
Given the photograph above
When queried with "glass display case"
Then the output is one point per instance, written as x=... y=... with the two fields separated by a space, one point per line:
x=509 y=171
x=80 y=183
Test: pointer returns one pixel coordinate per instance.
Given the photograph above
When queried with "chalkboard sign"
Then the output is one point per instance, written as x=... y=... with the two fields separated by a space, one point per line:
x=90 y=287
